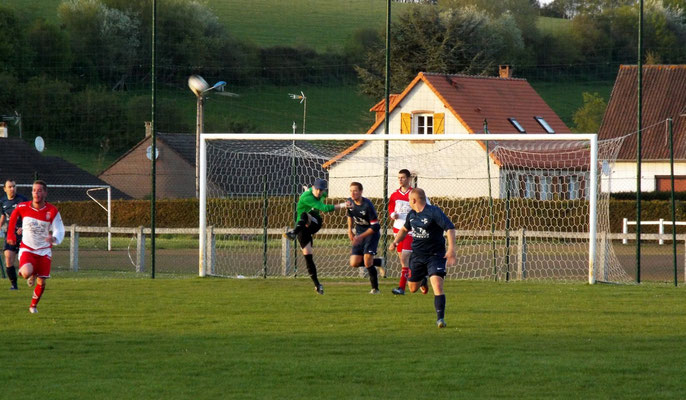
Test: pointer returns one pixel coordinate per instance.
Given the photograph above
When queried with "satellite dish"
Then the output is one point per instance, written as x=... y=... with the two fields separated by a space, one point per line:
x=606 y=169
x=40 y=144
x=148 y=152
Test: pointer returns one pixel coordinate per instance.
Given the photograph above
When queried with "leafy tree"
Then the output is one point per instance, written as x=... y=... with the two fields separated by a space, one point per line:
x=50 y=47
x=588 y=118
x=13 y=51
x=451 y=41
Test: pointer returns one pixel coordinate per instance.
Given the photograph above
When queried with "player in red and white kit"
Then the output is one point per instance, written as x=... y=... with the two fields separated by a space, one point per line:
x=42 y=228
x=398 y=207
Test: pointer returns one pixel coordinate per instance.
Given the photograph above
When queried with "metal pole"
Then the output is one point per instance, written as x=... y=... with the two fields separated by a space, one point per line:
x=153 y=124
x=638 y=142
x=198 y=130
x=387 y=84
x=671 y=174
x=265 y=223
x=304 y=111
x=109 y=218
x=490 y=205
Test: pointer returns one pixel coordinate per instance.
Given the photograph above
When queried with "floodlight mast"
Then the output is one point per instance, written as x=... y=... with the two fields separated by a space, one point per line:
x=303 y=101
x=200 y=123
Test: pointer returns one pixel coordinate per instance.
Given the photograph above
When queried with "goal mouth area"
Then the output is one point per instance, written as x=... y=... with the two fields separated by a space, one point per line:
x=492 y=185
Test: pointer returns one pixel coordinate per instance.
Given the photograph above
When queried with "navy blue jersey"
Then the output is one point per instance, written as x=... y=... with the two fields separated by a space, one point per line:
x=9 y=205
x=363 y=215
x=427 y=229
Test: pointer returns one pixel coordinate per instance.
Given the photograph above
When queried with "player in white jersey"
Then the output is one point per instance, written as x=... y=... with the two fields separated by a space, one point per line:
x=42 y=228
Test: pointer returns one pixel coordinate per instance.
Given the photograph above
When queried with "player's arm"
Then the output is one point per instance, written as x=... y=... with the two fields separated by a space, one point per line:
x=351 y=236
x=11 y=227
x=450 y=251
x=398 y=238
x=3 y=219
x=391 y=207
x=57 y=229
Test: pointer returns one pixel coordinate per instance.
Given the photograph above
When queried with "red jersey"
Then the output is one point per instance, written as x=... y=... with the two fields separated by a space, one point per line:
x=399 y=203
x=37 y=226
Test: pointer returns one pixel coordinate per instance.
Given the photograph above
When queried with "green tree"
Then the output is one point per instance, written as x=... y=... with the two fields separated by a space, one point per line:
x=589 y=116
x=450 y=41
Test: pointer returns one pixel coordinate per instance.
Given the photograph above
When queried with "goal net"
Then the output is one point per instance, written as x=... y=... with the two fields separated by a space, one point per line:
x=525 y=207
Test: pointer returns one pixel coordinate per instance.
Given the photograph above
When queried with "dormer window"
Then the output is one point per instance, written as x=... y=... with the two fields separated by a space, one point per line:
x=517 y=125
x=544 y=124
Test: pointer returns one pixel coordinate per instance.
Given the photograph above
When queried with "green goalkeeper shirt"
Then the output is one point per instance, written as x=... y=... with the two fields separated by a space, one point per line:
x=310 y=204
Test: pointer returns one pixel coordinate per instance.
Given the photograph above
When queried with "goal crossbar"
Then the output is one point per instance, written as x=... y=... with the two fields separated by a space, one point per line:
x=590 y=138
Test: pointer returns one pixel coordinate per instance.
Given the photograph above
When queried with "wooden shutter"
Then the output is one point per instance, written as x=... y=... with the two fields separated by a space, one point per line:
x=405 y=123
x=439 y=123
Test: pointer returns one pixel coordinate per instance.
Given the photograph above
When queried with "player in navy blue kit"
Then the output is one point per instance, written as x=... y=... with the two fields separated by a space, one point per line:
x=9 y=202
x=429 y=254
x=365 y=239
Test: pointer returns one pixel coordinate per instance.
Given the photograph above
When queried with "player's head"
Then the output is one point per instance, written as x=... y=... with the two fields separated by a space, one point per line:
x=356 y=190
x=404 y=178
x=417 y=199
x=39 y=191
x=319 y=187
x=10 y=188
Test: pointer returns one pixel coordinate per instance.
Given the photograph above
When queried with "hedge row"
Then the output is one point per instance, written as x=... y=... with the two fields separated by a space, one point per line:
x=466 y=214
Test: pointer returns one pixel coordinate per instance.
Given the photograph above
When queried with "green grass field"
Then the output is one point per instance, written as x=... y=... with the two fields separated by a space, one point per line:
x=257 y=339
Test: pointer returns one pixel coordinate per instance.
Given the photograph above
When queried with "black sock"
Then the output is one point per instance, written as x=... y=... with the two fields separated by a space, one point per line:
x=373 y=277
x=12 y=275
x=378 y=262
x=311 y=269
x=439 y=304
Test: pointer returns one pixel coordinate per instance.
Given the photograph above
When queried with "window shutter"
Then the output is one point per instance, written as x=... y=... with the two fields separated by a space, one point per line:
x=439 y=123
x=405 y=123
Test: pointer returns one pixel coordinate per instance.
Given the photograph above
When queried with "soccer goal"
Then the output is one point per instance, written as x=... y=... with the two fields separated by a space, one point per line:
x=525 y=207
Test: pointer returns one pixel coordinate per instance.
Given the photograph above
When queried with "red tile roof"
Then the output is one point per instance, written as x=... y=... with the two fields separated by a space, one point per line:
x=471 y=99
x=664 y=95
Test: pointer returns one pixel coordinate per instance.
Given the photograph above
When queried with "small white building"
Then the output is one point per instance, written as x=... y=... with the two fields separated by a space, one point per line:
x=440 y=104
x=664 y=96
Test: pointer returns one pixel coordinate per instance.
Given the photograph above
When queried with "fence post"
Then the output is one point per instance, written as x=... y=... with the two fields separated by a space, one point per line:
x=210 y=250
x=521 y=259
x=140 y=250
x=661 y=231
x=285 y=256
x=625 y=229
x=74 y=248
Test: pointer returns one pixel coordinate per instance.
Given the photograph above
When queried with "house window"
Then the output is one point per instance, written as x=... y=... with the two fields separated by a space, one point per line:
x=573 y=188
x=544 y=124
x=425 y=124
x=517 y=125
x=546 y=188
x=530 y=187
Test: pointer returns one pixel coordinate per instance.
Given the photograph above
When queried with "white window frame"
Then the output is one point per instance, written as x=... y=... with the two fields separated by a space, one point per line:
x=544 y=124
x=418 y=129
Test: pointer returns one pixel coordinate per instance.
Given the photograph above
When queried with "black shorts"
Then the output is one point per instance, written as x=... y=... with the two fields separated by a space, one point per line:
x=368 y=246
x=422 y=266
x=305 y=235
x=12 y=247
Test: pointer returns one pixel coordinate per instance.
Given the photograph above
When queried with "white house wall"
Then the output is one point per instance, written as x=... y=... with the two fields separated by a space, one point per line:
x=623 y=175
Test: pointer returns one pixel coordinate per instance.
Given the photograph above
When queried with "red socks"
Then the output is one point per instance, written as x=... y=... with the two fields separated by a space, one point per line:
x=37 y=293
x=404 y=273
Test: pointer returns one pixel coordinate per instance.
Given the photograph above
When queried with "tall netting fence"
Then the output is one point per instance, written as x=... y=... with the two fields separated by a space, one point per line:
x=521 y=209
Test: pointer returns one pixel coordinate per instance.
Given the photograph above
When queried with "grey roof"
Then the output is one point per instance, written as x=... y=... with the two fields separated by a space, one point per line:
x=24 y=164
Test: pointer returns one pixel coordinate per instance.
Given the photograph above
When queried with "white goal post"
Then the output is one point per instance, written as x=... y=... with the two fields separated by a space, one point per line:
x=489 y=142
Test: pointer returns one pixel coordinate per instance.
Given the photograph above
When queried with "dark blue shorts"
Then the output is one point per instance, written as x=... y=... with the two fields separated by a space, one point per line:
x=305 y=236
x=367 y=246
x=423 y=266
x=14 y=248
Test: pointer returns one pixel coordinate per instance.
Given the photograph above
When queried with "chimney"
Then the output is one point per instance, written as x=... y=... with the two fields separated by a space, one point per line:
x=505 y=71
x=148 y=128
x=3 y=129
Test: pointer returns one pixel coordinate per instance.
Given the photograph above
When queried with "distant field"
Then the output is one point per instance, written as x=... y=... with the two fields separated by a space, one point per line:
x=319 y=24
x=276 y=339
x=548 y=25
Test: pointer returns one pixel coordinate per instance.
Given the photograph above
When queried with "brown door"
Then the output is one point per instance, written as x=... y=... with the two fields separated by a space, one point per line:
x=663 y=183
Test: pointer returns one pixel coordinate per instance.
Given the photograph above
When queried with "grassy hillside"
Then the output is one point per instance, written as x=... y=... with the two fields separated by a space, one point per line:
x=566 y=97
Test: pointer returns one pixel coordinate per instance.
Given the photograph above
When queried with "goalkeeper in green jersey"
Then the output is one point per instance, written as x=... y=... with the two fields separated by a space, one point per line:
x=310 y=221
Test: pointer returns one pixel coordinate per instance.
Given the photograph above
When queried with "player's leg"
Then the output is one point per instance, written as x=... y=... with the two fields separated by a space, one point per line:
x=306 y=242
x=303 y=222
x=404 y=249
x=371 y=244
x=436 y=270
x=10 y=258
x=418 y=273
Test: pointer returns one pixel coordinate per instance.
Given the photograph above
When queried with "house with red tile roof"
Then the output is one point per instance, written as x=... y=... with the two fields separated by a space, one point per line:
x=663 y=96
x=439 y=104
